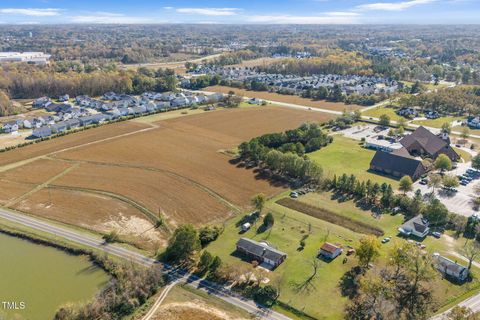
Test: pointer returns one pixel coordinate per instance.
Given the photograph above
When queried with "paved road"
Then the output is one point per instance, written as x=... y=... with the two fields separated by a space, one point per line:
x=176 y=274
x=472 y=303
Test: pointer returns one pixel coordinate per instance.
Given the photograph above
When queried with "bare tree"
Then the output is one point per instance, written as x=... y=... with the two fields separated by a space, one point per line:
x=307 y=284
x=471 y=250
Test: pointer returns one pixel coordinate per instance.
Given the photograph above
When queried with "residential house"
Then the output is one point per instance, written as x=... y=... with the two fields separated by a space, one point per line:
x=27 y=123
x=10 y=127
x=330 y=251
x=64 y=98
x=261 y=252
x=59 y=127
x=41 y=132
x=417 y=226
x=72 y=123
x=473 y=122
x=40 y=102
x=451 y=269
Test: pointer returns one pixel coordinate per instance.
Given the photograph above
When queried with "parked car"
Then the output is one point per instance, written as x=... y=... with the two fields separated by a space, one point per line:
x=293 y=195
x=436 y=234
x=387 y=239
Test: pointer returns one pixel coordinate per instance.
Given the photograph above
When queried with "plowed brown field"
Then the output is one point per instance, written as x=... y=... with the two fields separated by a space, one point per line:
x=177 y=168
x=68 y=141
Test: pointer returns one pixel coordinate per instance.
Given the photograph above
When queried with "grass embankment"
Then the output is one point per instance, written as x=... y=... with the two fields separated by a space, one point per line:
x=330 y=216
x=436 y=123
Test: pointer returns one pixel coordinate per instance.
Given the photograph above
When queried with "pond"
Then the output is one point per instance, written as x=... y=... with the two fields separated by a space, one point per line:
x=37 y=279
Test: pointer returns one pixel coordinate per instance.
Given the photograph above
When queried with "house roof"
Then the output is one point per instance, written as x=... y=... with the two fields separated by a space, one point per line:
x=429 y=141
x=417 y=223
x=396 y=162
x=447 y=264
x=328 y=247
x=260 y=249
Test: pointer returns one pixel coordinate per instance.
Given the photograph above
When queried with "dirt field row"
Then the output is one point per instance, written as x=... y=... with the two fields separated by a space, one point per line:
x=87 y=136
x=336 y=106
x=177 y=169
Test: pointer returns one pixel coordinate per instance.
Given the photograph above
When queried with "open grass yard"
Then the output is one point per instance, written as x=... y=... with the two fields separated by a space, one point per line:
x=471 y=131
x=175 y=168
x=323 y=299
x=346 y=155
x=377 y=112
x=464 y=154
x=337 y=106
x=437 y=123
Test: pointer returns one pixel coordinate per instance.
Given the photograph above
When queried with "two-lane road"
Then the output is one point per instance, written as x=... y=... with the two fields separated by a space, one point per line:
x=98 y=244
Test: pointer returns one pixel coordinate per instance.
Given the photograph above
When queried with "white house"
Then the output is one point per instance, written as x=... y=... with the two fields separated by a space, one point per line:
x=417 y=226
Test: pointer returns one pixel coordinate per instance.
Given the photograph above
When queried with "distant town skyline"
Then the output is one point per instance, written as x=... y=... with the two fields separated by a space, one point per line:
x=241 y=11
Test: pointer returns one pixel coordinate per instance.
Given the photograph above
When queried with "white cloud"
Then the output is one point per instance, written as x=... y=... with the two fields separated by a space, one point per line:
x=32 y=12
x=328 y=18
x=110 y=18
x=209 y=11
x=342 y=14
x=393 y=6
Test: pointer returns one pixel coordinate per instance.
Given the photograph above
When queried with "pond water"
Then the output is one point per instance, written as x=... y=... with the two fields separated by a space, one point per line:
x=37 y=279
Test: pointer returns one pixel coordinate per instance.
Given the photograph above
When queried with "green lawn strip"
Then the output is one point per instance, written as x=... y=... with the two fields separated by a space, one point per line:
x=76 y=228
x=330 y=216
x=345 y=155
x=377 y=112
x=436 y=123
x=464 y=154
x=471 y=131
x=34 y=234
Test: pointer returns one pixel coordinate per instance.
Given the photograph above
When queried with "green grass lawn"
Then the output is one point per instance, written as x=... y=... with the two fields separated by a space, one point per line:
x=377 y=112
x=472 y=131
x=346 y=155
x=436 y=123
x=324 y=299
x=464 y=154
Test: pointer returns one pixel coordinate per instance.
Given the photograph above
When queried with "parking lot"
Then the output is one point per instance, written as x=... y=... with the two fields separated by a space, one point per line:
x=364 y=131
x=459 y=202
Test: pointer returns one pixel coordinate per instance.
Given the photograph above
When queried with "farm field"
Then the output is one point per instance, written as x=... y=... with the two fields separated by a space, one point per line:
x=69 y=141
x=285 y=98
x=95 y=212
x=174 y=168
x=346 y=155
x=291 y=226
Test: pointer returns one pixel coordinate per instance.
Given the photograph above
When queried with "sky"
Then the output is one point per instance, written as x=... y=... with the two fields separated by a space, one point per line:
x=240 y=11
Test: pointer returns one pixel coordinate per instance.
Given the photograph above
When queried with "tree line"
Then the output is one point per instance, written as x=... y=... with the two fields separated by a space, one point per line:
x=284 y=153
x=22 y=81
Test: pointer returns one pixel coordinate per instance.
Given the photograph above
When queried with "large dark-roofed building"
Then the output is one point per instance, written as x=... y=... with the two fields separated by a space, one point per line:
x=422 y=142
x=397 y=165
x=401 y=162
